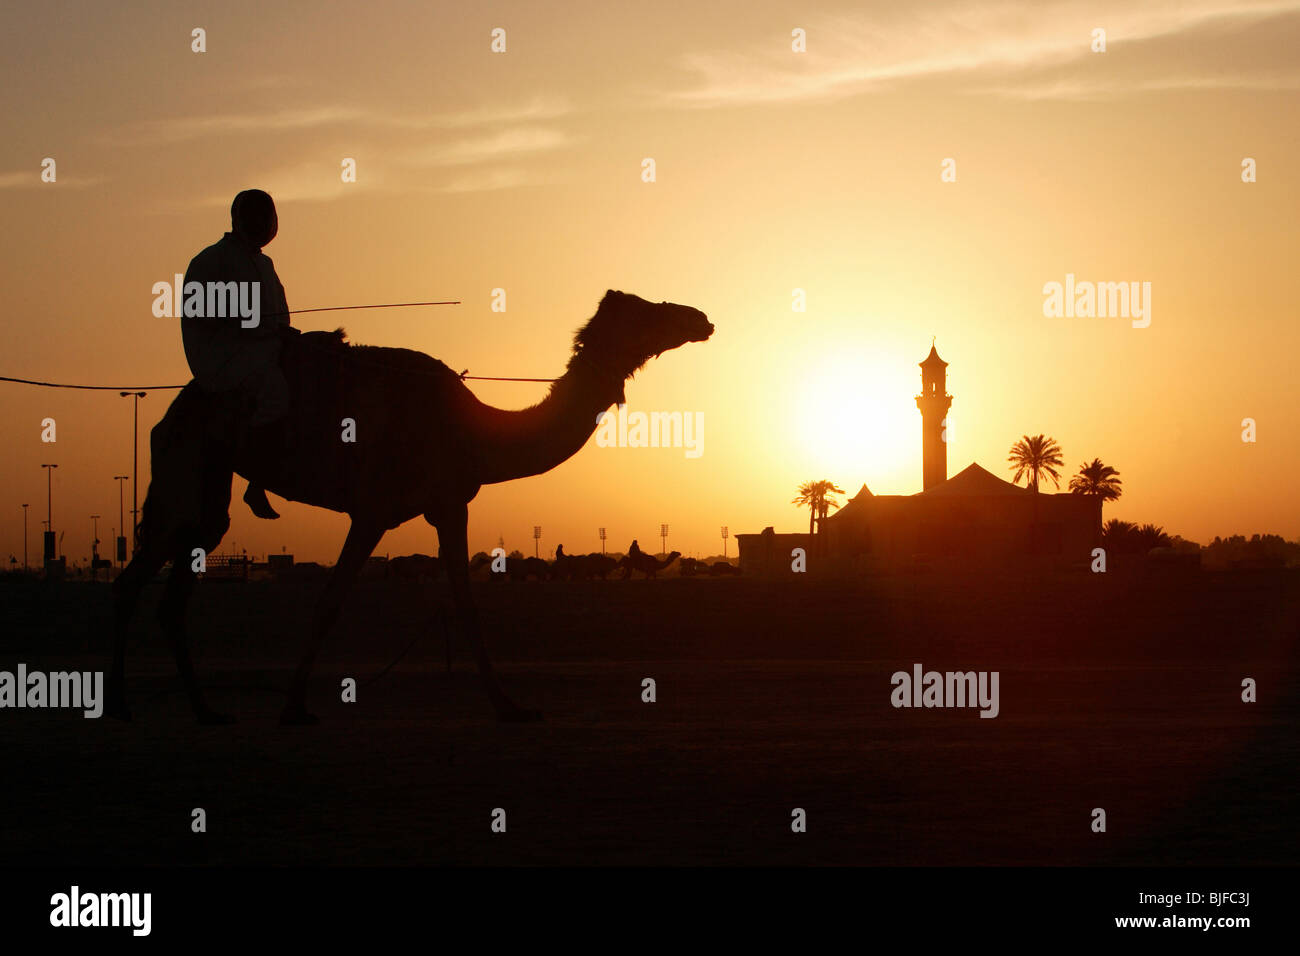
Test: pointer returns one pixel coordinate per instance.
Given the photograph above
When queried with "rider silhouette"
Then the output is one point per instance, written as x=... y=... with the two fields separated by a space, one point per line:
x=224 y=355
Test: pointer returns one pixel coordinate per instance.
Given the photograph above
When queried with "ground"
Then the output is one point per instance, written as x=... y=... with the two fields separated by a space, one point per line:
x=1120 y=691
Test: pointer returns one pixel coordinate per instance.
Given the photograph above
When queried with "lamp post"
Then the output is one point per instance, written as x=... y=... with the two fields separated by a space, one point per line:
x=602 y=542
x=663 y=539
x=537 y=536
x=120 y=541
x=94 y=540
x=135 y=467
x=49 y=513
x=725 y=535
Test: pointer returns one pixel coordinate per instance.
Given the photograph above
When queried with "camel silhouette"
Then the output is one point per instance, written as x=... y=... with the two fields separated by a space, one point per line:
x=382 y=435
x=638 y=560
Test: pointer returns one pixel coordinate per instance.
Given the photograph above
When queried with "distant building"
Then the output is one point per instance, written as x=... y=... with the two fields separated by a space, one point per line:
x=279 y=562
x=973 y=516
x=769 y=552
x=934 y=402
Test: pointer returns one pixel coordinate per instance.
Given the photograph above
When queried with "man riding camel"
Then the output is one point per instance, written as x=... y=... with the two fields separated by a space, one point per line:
x=227 y=354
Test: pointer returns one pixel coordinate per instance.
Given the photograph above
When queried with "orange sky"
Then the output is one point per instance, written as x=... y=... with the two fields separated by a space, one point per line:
x=776 y=170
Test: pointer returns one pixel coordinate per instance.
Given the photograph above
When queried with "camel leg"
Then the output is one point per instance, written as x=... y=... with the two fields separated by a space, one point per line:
x=453 y=548
x=171 y=614
x=126 y=595
x=361 y=541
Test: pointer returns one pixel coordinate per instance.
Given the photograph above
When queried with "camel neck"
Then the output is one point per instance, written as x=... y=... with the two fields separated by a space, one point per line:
x=531 y=441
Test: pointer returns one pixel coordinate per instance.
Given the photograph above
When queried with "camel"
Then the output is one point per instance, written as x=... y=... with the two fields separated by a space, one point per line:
x=568 y=567
x=516 y=569
x=421 y=444
x=528 y=567
x=581 y=567
x=599 y=565
x=638 y=560
x=413 y=567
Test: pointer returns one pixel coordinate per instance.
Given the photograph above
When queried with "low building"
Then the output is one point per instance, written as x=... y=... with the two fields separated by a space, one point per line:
x=769 y=552
x=972 y=516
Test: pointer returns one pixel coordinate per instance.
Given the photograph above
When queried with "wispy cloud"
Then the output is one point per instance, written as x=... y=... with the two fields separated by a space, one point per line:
x=297 y=119
x=994 y=43
x=487 y=180
x=31 y=179
x=506 y=144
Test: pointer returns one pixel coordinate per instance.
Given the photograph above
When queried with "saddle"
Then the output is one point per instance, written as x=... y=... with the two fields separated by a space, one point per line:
x=205 y=431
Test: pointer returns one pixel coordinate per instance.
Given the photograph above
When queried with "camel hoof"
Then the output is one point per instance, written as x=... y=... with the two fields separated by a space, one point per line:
x=212 y=718
x=298 y=717
x=518 y=715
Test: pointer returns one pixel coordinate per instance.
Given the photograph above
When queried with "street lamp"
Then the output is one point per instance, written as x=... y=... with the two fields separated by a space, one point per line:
x=663 y=539
x=121 y=521
x=725 y=535
x=537 y=536
x=49 y=512
x=135 y=457
x=94 y=540
x=602 y=541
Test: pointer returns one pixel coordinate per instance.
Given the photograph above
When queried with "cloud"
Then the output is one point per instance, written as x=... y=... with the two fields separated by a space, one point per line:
x=297 y=119
x=487 y=180
x=998 y=44
x=506 y=144
x=31 y=179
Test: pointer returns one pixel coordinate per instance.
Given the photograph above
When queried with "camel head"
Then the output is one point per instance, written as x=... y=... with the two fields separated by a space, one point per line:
x=627 y=331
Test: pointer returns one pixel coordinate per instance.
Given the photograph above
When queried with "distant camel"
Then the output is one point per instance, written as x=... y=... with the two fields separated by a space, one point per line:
x=516 y=569
x=597 y=565
x=415 y=441
x=568 y=567
x=638 y=560
x=413 y=567
x=534 y=567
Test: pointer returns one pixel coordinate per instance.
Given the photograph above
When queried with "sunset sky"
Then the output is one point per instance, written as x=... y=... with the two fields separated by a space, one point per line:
x=776 y=171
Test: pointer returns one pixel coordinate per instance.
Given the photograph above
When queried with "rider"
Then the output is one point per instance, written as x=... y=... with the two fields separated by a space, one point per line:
x=226 y=356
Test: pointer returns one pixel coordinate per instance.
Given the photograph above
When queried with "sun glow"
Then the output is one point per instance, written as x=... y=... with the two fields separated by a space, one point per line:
x=855 y=421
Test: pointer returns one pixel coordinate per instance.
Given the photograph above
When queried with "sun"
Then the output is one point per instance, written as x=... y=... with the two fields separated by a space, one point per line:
x=855 y=420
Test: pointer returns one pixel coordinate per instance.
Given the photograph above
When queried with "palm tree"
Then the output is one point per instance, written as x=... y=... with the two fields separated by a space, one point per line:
x=1119 y=536
x=816 y=497
x=1035 y=457
x=1097 y=479
x=1125 y=537
x=1153 y=536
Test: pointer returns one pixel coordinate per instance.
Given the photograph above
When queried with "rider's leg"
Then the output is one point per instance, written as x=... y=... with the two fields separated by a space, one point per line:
x=267 y=437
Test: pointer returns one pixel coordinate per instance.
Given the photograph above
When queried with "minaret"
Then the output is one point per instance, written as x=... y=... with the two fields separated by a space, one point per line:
x=933 y=402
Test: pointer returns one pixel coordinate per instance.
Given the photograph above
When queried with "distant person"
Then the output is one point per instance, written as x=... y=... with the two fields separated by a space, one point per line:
x=224 y=356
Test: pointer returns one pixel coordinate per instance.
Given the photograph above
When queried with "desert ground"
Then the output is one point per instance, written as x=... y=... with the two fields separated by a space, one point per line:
x=1119 y=690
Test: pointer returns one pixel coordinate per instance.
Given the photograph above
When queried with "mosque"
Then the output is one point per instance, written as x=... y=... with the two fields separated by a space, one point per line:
x=974 y=516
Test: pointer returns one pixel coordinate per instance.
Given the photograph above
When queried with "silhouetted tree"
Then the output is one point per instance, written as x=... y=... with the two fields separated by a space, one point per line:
x=1035 y=457
x=816 y=497
x=1097 y=479
x=1125 y=537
